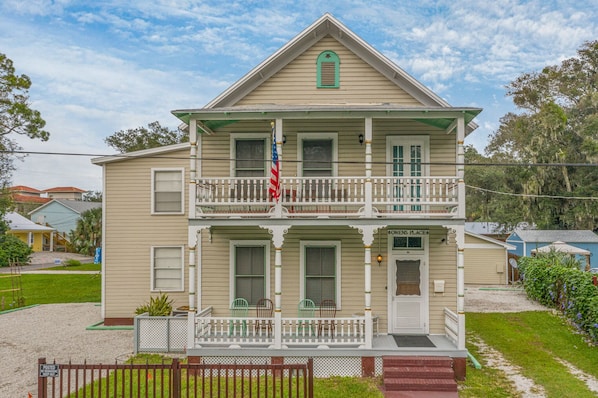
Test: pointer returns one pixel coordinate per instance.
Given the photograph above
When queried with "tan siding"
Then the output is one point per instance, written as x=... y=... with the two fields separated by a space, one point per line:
x=482 y=264
x=443 y=266
x=132 y=230
x=359 y=82
x=216 y=149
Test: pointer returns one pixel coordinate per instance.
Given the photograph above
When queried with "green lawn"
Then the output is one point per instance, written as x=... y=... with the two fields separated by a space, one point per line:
x=533 y=341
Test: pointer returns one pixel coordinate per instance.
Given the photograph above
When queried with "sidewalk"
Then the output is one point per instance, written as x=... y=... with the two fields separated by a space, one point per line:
x=42 y=260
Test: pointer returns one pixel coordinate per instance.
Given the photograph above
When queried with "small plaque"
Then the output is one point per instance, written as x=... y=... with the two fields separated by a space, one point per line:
x=48 y=370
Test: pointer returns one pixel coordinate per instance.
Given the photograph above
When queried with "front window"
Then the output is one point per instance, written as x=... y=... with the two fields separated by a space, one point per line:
x=320 y=269
x=167 y=268
x=167 y=188
x=249 y=271
x=250 y=157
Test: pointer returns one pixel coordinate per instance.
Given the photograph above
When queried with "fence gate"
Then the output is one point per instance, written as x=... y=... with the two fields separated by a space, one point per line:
x=174 y=380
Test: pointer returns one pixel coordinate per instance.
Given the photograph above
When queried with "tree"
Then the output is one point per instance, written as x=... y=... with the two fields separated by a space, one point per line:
x=92 y=196
x=559 y=126
x=16 y=117
x=88 y=233
x=144 y=138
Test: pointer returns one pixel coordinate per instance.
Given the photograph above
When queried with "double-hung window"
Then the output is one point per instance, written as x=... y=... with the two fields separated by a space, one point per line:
x=318 y=155
x=250 y=167
x=249 y=271
x=320 y=271
x=167 y=268
x=167 y=191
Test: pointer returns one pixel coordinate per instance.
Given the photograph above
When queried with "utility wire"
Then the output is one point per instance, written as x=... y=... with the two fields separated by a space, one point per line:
x=532 y=195
x=156 y=156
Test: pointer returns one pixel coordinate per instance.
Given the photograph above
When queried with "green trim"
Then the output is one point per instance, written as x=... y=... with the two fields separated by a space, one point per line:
x=328 y=57
x=18 y=309
x=96 y=326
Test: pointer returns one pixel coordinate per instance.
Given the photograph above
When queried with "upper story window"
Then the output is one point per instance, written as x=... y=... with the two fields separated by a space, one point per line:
x=167 y=191
x=317 y=154
x=250 y=157
x=328 y=70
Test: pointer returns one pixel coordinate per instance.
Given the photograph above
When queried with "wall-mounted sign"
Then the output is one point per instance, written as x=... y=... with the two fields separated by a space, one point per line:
x=408 y=232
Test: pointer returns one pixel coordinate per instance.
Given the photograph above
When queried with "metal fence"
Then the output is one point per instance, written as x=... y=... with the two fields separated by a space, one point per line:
x=175 y=380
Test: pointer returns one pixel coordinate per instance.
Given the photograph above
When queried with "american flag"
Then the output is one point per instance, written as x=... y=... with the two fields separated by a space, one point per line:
x=274 y=187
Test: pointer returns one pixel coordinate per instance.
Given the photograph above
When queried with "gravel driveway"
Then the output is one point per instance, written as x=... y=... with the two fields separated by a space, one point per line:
x=58 y=332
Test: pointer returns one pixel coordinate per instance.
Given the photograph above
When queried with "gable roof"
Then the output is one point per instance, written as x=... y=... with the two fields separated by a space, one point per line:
x=585 y=236
x=18 y=223
x=77 y=206
x=24 y=188
x=152 y=152
x=222 y=110
x=506 y=245
x=561 y=247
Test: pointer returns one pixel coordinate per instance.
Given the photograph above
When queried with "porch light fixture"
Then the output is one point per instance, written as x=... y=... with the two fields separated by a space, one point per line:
x=361 y=139
x=379 y=256
x=284 y=139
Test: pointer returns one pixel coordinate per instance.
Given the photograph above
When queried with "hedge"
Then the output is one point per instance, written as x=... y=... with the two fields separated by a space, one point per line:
x=568 y=289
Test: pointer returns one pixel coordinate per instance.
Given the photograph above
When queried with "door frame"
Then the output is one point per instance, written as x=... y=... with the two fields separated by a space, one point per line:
x=395 y=254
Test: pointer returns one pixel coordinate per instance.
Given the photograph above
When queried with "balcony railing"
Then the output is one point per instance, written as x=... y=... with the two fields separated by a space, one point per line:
x=329 y=196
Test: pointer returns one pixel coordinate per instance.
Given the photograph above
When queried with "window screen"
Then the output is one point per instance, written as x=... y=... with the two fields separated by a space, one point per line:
x=317 y=158
x=320 y=273
x=168 y=191
x=250 y=160
x=168 y=268
x=250 y=275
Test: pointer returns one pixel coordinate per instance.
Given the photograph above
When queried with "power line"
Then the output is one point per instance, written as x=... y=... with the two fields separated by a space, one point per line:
x=532 y=195
x=158 y=156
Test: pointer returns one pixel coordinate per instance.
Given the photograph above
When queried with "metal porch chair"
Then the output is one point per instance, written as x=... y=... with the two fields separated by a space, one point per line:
x=327 y=310
x=264 y=310
x=305 y=312
x=239 y=308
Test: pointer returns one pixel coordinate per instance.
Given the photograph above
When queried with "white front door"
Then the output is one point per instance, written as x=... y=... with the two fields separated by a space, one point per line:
x=408 y=291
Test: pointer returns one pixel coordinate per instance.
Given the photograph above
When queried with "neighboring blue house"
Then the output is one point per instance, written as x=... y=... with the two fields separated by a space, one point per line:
x=61 y=214
x=527 y=240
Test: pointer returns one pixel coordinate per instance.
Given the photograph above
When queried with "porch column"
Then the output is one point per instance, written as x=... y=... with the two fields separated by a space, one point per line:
x=192 y=167
x=460 y=237
x=461 y=166
x=277 y=130
x=368 y=168
x=367 y=235
x=51 y=241
x=193 y=235
x=277 y=232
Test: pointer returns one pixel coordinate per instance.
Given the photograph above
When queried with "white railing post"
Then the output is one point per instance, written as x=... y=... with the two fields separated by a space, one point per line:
x=191 y=330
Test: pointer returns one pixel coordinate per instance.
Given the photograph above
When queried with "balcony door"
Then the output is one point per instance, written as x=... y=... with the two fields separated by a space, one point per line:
x=407 y=159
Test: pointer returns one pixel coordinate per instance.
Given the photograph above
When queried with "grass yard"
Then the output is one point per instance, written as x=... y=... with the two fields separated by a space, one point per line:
x=532 y=341
x=52 y=289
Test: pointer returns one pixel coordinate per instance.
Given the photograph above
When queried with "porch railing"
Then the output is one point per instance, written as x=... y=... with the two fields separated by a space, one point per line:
x=451 y=325
x=346 y=196
x=253 y=331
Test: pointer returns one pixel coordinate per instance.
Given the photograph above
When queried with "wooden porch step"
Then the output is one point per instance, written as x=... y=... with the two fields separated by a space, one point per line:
x=419 y=376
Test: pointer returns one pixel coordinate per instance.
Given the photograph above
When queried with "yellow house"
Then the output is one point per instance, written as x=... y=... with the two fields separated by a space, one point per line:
x=326 y=174
x=38 y=237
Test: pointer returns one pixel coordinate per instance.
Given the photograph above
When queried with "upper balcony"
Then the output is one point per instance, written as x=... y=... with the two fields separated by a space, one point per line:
x=327 y=197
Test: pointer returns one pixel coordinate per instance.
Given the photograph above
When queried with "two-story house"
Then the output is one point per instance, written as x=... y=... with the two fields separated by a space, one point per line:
x=370 y=213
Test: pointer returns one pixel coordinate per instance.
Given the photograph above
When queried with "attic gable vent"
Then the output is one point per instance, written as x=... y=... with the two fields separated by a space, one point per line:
x=328 y=69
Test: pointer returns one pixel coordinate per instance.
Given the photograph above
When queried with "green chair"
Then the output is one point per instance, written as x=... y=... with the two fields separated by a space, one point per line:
x=239 y=309
x=305 y=312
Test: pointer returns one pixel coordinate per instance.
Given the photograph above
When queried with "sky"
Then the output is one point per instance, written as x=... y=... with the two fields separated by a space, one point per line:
x=98 y=67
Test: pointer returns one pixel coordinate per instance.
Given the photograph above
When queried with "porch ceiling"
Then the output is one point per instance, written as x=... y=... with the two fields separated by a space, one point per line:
x=214 y=118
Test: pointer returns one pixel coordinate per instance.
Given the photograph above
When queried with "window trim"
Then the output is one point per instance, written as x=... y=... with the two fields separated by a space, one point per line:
x=249 y=136
x=319 y=61
x=232 y=245
x=319 y=243
x=314 y=136
x=152 y=268
x=153 y=190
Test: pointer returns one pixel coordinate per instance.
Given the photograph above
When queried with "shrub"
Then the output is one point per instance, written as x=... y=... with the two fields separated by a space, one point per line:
x=569 y=290
x=157 y=306
x=13 y=249
x=71 y=262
